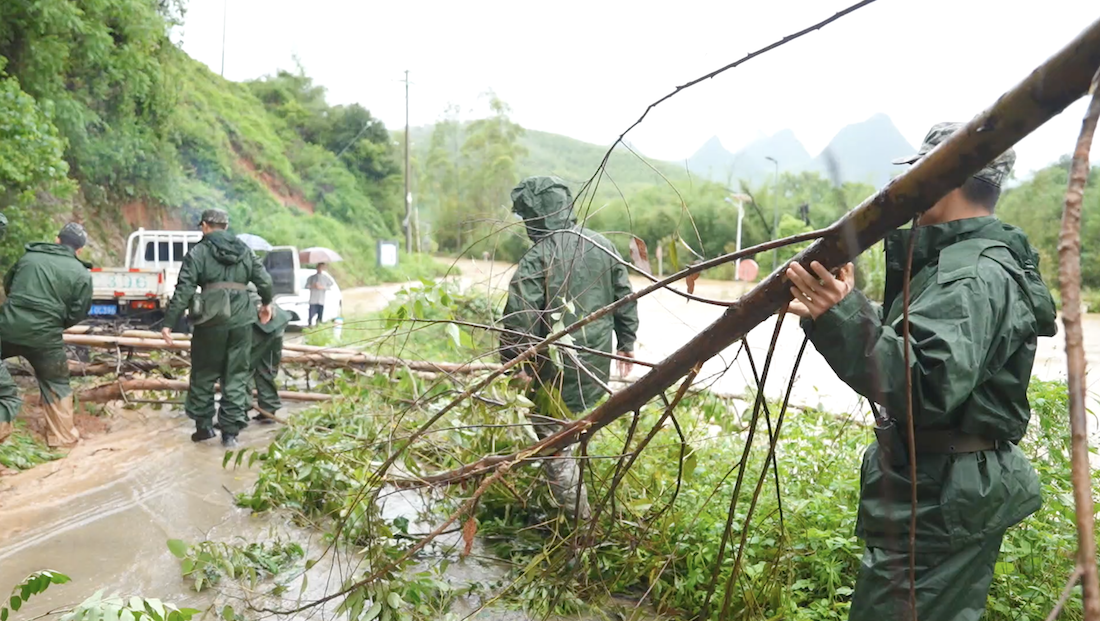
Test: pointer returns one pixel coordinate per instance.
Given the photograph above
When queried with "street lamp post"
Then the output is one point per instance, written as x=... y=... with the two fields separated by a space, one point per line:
x=775 y=208
x=740 y=201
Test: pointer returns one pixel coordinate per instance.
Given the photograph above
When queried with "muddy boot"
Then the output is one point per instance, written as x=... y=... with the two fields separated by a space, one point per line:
x=61 y=431
x=566 y=485
x=229 y=440
x=203 y=434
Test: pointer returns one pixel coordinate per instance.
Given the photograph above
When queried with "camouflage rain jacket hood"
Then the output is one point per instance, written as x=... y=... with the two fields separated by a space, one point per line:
x=977 y=306
x=569 y=273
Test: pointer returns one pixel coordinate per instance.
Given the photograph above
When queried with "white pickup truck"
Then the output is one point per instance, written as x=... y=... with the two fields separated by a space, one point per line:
x=137 y=295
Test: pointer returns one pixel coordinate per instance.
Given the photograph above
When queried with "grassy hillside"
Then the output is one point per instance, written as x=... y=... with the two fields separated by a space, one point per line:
x=575 y=161
x=110 y=123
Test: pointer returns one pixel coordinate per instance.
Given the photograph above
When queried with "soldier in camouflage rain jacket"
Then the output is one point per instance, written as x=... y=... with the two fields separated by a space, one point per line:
x=569 y=273
x=977 y=307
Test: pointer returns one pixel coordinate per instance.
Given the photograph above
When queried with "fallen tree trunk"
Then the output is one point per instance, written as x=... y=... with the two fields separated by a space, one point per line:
x=304 y=354
x=129 y=342
x=144 y=365
x=351 y=357
x=1047 y=91
x=149 y=334
x=114 y=391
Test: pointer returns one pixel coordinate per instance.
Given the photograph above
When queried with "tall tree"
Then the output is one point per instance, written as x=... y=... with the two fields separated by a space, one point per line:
x=490 y=153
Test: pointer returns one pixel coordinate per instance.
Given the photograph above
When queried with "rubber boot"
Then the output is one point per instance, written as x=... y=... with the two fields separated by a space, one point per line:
x=202 y=434
x=229 y=440
x=61 y=431
x=566 y=485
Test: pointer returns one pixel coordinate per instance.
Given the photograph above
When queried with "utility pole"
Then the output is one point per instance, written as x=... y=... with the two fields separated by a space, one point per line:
x=775 y=207
x=740 y=201
x=408 y=194
x=225 y=11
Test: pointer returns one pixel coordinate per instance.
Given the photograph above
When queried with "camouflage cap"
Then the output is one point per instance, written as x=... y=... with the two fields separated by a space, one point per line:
x=73 y=235
x=214 y=216
x=995 y=172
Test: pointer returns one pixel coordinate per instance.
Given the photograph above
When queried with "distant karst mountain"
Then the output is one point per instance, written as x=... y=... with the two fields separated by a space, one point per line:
x=861 y=152
x=714 y=162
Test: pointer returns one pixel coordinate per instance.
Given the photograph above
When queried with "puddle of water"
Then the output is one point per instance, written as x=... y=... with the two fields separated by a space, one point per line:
x=104 y=514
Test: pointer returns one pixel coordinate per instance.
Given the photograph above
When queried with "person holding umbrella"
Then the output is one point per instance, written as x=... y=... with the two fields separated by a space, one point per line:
x=318 y=285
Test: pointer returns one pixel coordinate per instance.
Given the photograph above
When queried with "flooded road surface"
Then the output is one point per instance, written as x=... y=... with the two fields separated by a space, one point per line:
x=103 y=514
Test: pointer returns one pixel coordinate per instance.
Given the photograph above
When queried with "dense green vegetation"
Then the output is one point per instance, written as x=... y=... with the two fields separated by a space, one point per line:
x=1036 y=207
x=22 y=450
x=96 y=98
x=659 y=537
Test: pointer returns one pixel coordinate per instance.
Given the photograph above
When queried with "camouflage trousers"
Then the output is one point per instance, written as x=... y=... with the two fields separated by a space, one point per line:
x=950 y=586
x=51 y=369
x=267 y=353
x=220 y=355
x=563 y=472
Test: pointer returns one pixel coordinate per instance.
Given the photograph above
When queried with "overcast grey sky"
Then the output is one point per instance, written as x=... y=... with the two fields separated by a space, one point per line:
x=587 y=68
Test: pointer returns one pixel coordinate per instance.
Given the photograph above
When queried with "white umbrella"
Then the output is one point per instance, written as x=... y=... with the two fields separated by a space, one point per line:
x=255 y=242
x=317 y=254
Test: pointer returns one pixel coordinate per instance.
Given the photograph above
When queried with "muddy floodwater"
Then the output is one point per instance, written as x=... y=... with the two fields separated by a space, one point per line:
x=103 y=514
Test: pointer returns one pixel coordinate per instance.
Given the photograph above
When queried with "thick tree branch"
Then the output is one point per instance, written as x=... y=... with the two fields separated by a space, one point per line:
x=1069 y=276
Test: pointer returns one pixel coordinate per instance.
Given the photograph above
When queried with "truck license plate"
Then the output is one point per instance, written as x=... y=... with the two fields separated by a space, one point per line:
x=104 y=309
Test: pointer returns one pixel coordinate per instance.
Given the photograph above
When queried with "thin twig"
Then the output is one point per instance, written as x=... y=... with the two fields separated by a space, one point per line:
x=740 y=474
x=763 y=476
x=1066 y=592
x=909 y=423
x=716 y=72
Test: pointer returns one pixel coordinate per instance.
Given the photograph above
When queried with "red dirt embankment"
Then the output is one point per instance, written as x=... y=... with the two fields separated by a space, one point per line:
x=287 y=195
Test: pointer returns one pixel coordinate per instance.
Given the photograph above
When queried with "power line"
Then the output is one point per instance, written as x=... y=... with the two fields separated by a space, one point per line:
x=751 y=55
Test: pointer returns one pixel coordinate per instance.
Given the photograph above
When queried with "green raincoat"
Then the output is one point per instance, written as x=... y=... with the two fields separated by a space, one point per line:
x=267 y=354
x=977 y=306
x=570 y=273
x=49 y=289
x=221 y=349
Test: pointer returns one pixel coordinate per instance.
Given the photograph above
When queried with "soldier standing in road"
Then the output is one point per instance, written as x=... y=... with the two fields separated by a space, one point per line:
x=569 y=273
x=978 y=306
x=267 y=354
x=49 y=289
x=9 y=392
x=221 y=347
